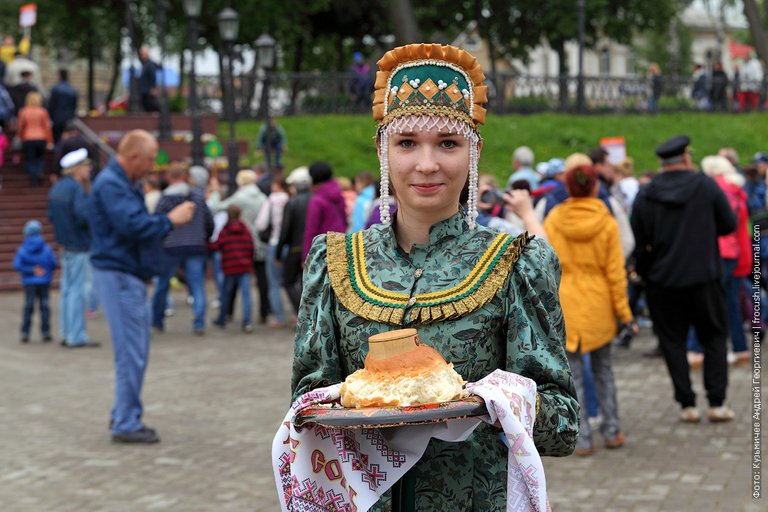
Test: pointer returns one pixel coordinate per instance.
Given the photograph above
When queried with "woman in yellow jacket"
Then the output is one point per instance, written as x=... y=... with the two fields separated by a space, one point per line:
x=593 y=294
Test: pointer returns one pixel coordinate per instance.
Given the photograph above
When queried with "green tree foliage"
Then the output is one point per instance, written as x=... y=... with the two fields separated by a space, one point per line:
x=656 y=47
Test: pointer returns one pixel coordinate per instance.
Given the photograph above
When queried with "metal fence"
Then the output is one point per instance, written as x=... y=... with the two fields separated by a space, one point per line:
x=342 y=93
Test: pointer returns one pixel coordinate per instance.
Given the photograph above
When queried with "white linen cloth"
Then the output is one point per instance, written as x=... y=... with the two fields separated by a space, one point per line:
x=321 y=469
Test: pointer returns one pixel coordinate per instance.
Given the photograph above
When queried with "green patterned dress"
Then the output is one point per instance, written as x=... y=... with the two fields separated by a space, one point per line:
x=484 y=300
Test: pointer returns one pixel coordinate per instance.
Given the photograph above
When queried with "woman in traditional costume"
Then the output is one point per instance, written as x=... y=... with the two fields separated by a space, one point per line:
x=484 y=300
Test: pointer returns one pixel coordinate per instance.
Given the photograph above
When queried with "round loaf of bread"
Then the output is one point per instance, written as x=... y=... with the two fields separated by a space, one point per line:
x=417 y=376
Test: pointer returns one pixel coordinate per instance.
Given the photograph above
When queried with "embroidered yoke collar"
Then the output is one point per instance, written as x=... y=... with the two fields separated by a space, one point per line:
x=348 y=273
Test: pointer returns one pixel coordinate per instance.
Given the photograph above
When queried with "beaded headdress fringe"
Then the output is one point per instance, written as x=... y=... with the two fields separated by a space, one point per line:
x=427 y=123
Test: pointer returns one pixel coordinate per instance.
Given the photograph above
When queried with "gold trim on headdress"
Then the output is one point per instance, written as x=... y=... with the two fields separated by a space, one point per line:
x=468 y=106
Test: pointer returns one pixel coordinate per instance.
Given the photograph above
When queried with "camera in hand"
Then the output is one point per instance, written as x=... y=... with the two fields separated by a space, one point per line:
x=625 y=336
x=492 y=197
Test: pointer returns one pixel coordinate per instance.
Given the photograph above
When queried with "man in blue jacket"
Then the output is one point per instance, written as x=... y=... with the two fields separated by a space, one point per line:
x=62 y=104
x=125 y=249
x=184 y=247
x=68 y=211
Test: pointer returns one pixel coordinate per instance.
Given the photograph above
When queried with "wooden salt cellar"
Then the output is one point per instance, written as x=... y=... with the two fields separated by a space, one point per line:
x=392 y=343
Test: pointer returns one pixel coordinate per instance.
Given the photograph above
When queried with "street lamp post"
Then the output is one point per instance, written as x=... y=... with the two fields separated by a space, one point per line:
x=164 y=126
x=192 y=9
x=133 y=90
x=265 y=46
x=229 y=25
x=580 y=5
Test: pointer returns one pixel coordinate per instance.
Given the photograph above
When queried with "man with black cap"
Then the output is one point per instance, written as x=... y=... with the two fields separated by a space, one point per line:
x=677 y=218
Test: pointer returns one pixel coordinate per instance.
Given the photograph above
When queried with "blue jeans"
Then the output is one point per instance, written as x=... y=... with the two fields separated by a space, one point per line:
x=194 y=270
x=37 y=292
x=275 y=155
x=124 y=299
x=653 y=106
x=275 y=280
x=74 y=281
x=605 y=386
x=218 y=275
x=243 y=282
x=92 y=301
x=590 y=393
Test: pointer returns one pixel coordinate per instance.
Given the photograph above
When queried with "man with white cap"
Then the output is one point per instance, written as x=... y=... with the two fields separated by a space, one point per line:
x=68 y=211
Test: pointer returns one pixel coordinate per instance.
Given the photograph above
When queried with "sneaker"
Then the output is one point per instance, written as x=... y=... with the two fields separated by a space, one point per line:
x=47 y=338
x=595 y=421
x=720 y=414
x=248 y=328
x=219 y=324
x=740 y=358
x=169 y=312
x=144 y=435
x=190 y=300
x=585 y=452
x=690 y=415
x=24 y=338
x=615 y=442
x=87 y=344
x=199 y=331
x=215 y=304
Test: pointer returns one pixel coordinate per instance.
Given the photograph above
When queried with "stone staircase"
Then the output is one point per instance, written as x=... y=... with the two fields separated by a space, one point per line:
x=19 y=202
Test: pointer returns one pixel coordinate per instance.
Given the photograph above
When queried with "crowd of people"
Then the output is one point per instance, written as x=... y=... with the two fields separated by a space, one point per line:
x=33 y=118
x=611 y=251
x=583 y=204
x=625 y=242
x=743 y=91
x=712 y=89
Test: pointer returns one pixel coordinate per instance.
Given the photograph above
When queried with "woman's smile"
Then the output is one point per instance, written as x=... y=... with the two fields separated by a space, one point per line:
x=427 y=188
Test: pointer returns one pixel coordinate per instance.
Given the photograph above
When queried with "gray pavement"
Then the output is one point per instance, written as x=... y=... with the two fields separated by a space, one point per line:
x=217 y=400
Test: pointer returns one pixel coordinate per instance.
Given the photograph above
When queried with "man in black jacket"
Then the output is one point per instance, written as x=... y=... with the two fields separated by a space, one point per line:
x=291 y=241
x=677 y=218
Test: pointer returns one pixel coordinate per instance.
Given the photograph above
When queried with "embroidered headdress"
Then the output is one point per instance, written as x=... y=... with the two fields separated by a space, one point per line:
x=423 y=86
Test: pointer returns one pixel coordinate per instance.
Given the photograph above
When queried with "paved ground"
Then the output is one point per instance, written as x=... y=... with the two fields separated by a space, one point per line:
x=217 y=401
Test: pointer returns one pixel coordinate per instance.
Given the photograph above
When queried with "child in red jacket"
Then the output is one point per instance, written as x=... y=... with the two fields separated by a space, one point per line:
x=236 y=245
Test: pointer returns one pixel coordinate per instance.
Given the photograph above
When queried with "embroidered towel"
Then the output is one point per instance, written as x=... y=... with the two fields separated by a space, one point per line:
x=322 y=469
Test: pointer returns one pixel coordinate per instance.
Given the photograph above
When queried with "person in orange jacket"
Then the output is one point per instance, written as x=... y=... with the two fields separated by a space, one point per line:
x=593 y=293
x=34 y=129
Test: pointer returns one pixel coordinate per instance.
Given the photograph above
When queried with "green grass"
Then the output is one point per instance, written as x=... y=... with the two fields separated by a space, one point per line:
x=346 y=142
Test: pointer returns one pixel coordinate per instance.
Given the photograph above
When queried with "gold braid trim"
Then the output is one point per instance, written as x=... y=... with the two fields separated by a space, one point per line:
x=490 y=286
x=337 y=260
